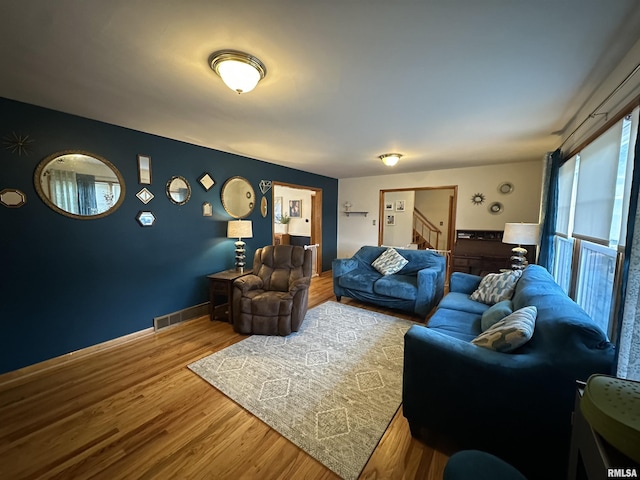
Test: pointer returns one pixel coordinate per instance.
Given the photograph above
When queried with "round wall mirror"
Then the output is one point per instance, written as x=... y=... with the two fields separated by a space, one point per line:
x=238 y=197
x=178 y=190
x=79 y=184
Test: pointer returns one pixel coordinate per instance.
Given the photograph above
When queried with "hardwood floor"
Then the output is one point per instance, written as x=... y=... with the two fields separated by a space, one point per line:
x=133 y=410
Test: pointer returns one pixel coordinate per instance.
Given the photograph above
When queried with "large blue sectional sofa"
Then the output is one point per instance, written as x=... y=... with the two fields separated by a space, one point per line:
x=417 y=288
x=515 y=405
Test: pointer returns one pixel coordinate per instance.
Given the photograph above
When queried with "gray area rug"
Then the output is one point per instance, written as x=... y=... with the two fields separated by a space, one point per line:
x=332 y=388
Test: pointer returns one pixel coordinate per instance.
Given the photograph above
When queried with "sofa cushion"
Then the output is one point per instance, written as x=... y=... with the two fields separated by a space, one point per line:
x=495 y=313
x=496 y=287
x=455 y=323
x=398 y=286
x=389 y=262
x=362 y=280
x=461 y=301
x=509 y=333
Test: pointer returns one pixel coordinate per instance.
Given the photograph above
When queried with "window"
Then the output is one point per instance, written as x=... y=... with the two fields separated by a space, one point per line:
x=593 y=200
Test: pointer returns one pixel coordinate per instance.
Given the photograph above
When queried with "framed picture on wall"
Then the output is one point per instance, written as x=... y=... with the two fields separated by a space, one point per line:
x=295 y=208
x=390 y=220
x=277 y=209
x=388 y=205
x=399 y=205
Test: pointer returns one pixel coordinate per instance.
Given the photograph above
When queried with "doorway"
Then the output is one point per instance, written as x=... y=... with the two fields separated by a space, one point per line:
x=303 y=207
x=422 y=217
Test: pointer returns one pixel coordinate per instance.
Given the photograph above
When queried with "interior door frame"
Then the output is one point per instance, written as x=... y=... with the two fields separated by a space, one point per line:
x=451 y=234
x=316 y=216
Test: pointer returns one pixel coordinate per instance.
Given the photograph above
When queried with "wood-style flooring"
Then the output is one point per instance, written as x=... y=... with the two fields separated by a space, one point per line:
x=131 y=409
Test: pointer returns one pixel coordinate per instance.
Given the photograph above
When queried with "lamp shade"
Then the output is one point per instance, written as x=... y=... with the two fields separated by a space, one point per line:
x=239 y=229
x=521 y=233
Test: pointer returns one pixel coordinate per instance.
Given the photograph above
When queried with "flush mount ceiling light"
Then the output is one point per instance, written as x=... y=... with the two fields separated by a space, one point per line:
x=390 y=159
x=240 y=71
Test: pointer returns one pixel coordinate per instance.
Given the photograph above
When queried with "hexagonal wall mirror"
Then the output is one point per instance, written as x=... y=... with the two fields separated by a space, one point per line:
x=146 y=218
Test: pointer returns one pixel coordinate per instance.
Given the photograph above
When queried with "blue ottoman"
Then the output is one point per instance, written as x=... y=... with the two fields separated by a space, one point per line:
x=477 y=465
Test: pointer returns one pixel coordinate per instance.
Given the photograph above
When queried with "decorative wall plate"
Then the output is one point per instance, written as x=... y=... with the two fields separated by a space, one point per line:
x=496 y=208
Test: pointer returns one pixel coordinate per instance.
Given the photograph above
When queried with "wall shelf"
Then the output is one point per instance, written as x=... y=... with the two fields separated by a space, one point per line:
x=356 y=213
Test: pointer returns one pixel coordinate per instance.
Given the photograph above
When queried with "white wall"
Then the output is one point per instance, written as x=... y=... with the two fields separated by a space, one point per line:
x=522 y=205
x=399 y=235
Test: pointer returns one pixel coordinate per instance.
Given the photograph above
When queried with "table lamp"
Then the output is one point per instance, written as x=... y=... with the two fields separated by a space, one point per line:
x=520 y=234
x=240 y=229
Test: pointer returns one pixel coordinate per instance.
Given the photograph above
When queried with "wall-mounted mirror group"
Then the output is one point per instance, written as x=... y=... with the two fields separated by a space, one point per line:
x=79 y=184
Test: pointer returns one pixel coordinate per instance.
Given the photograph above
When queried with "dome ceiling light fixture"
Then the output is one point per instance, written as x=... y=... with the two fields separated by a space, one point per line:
x=390 y=159
x=240 y=71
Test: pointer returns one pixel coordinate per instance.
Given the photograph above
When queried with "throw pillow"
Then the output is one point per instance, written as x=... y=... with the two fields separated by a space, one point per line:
x=496 y=287
x=496 y=313
x=389 y=262
x=509 y=333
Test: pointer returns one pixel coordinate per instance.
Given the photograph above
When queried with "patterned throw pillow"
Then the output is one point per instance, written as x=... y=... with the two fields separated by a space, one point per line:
x=496 y=287
x=389 y=262
x=509 y=333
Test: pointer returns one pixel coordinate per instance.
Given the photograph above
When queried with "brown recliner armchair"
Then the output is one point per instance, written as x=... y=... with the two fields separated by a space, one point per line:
x=273 y=300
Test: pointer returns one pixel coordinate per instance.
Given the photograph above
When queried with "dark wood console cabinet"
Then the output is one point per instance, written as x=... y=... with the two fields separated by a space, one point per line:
x=481 y=251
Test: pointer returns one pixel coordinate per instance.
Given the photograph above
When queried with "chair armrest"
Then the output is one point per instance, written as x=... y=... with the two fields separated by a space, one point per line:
x=430 y=290
x=248 y=283
x=340 y=266
x=299 y=284
x=464 y=282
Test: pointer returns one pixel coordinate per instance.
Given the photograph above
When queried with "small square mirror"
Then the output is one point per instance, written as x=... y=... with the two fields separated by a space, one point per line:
x=206 y=181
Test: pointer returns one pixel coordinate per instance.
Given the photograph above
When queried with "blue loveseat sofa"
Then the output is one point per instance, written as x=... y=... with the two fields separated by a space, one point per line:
x=417 y=288
x=515 y=405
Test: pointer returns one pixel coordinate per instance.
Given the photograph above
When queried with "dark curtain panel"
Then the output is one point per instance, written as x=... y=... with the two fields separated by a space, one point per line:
x=87 y=204
x=548 y=227
x=631 y=227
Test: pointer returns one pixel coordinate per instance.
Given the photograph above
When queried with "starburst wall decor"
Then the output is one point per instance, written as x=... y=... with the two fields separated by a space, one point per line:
x=477 y=198
x=18 y=143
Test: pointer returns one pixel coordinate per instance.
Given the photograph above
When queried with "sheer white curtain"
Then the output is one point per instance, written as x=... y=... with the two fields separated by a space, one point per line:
x=64 y=190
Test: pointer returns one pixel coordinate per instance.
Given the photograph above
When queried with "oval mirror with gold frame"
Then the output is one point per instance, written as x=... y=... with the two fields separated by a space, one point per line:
x=79 y=184
x=263 y=207
x=238 y=197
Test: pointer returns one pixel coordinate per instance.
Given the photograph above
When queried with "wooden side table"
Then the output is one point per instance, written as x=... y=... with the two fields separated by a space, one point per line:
x=220 y=293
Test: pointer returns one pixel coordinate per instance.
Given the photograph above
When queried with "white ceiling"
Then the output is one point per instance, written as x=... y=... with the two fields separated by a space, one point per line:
x=445 y=82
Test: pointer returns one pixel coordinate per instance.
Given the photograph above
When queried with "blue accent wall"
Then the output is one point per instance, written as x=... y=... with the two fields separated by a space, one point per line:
x=67 y=284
